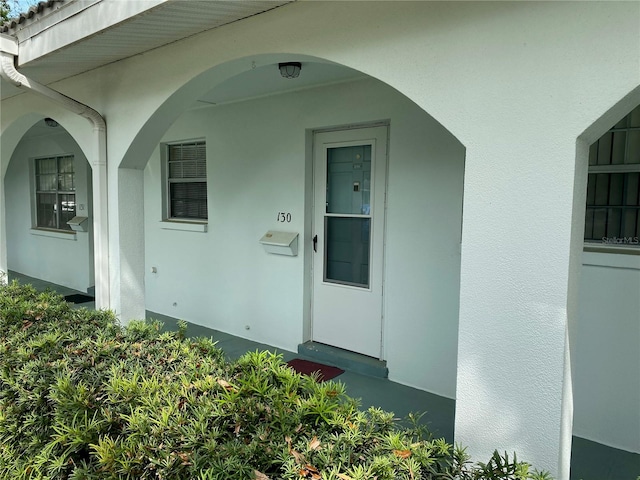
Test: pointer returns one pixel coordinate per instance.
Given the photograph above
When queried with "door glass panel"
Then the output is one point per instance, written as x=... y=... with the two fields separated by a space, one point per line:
x=347 y=242
x=349 y=180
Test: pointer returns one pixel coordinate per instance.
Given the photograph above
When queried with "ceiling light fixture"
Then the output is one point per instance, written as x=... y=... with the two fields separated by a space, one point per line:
x=51 y=122
x=290 y=69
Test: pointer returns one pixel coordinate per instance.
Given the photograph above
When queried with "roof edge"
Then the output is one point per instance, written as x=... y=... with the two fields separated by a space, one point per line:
x=36 y=12
x=8 y=44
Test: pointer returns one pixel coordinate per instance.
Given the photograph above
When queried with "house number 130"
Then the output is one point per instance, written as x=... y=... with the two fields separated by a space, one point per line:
x=284 y=217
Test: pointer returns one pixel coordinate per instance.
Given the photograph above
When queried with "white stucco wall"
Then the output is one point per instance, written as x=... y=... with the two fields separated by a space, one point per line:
x=516 y=82
x=64 y=259
x=256 y=167
x=607 y=351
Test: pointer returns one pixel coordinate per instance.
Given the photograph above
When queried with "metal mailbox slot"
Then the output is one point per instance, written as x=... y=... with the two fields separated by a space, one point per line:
x=78 y=223
x=280 y=243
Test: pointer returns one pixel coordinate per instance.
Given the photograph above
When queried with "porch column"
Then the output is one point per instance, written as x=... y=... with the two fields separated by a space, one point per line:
x=517 y=293
x=100 y=222
x=127 y=244
x=3 y=233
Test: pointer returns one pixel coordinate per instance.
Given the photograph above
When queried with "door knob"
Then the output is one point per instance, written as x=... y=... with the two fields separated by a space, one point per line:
x=315 y=243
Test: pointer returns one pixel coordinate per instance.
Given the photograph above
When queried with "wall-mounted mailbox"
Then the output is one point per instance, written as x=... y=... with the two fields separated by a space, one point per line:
x=280 y=243
x=78 y=224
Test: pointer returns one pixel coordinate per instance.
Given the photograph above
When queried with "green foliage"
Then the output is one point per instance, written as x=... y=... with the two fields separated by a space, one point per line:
x=83 y=398
x=12 y=8
x=5 y=10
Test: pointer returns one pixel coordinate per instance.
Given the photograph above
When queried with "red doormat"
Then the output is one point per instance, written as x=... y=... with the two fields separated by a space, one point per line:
x=305 y=367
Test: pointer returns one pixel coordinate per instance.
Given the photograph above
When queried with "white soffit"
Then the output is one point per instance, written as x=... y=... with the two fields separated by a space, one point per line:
x=7 y=90
x=168 y=21
x=266 y=80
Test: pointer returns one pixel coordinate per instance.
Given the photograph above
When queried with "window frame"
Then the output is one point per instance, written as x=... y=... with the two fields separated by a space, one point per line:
x=167 y=181
x=615 y=244
x=61 y=226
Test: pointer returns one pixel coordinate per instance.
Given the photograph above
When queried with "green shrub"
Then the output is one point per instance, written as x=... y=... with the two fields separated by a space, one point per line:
x=83 y=398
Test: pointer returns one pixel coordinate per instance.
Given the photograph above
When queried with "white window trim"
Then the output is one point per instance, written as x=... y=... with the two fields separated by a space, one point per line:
x=60 y=234
x=185 y=226
x=595 y=247
x=177 y=223
x=43 y=231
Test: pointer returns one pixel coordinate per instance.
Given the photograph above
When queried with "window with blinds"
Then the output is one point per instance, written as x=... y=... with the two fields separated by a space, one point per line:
x=613 y=190
x=55 y=192
x=187 y=181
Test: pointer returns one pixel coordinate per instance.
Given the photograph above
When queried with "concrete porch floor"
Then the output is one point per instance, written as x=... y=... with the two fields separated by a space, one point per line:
x=590 y=460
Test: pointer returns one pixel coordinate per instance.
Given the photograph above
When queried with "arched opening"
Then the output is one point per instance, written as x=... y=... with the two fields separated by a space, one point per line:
x=258 y=130
x=48 y=195
x=604 y=340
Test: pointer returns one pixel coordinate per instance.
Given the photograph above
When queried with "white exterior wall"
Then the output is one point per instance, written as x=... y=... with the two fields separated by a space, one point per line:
x=607 y=354
x=224 y=279
x=515 y=82
x=64 y=259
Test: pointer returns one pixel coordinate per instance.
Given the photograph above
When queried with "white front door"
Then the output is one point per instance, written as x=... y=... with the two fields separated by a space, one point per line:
x=349 y=203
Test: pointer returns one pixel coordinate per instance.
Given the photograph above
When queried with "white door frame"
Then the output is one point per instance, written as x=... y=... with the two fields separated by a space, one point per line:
x=379 y=213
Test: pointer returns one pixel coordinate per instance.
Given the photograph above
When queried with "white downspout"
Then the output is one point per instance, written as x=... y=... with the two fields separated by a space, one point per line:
x=97 y=159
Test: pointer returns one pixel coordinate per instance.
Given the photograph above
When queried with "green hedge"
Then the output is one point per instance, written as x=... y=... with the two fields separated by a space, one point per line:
x=83 y=398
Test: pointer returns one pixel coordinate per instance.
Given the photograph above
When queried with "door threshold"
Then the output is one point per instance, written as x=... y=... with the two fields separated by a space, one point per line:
x=345 y=359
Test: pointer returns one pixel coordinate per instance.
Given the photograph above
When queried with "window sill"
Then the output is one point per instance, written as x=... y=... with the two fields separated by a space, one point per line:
x=61 y=234
x=184 y=226
x=613 y=249
x=612 y=257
